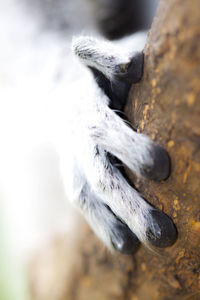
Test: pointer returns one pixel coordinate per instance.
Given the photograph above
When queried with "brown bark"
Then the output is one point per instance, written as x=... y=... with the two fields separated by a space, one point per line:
x=166 y=106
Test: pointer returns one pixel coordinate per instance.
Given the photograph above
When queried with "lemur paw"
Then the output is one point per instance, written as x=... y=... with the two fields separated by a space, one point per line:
x=116 y=211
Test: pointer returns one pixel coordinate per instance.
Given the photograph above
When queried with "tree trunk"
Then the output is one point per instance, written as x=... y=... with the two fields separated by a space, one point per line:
x=166 y=106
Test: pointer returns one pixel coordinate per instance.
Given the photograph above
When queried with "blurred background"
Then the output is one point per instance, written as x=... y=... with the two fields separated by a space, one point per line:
x=35 y=40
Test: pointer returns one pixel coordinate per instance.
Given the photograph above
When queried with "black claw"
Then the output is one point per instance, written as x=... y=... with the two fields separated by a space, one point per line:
x=117 y=90
x=124 y=240
x=167 y=234
x=161 y=165
x=135 y=69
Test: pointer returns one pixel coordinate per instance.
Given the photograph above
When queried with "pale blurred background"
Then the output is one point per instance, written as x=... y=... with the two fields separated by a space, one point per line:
x=35 y=44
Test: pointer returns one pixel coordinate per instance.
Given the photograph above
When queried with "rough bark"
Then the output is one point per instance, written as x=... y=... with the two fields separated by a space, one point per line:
x=166 y=106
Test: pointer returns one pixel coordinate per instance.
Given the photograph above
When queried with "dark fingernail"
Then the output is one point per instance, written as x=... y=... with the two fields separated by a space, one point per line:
x=167 y=234
x=134 y=71
x=161 y=167
x=124 y=240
